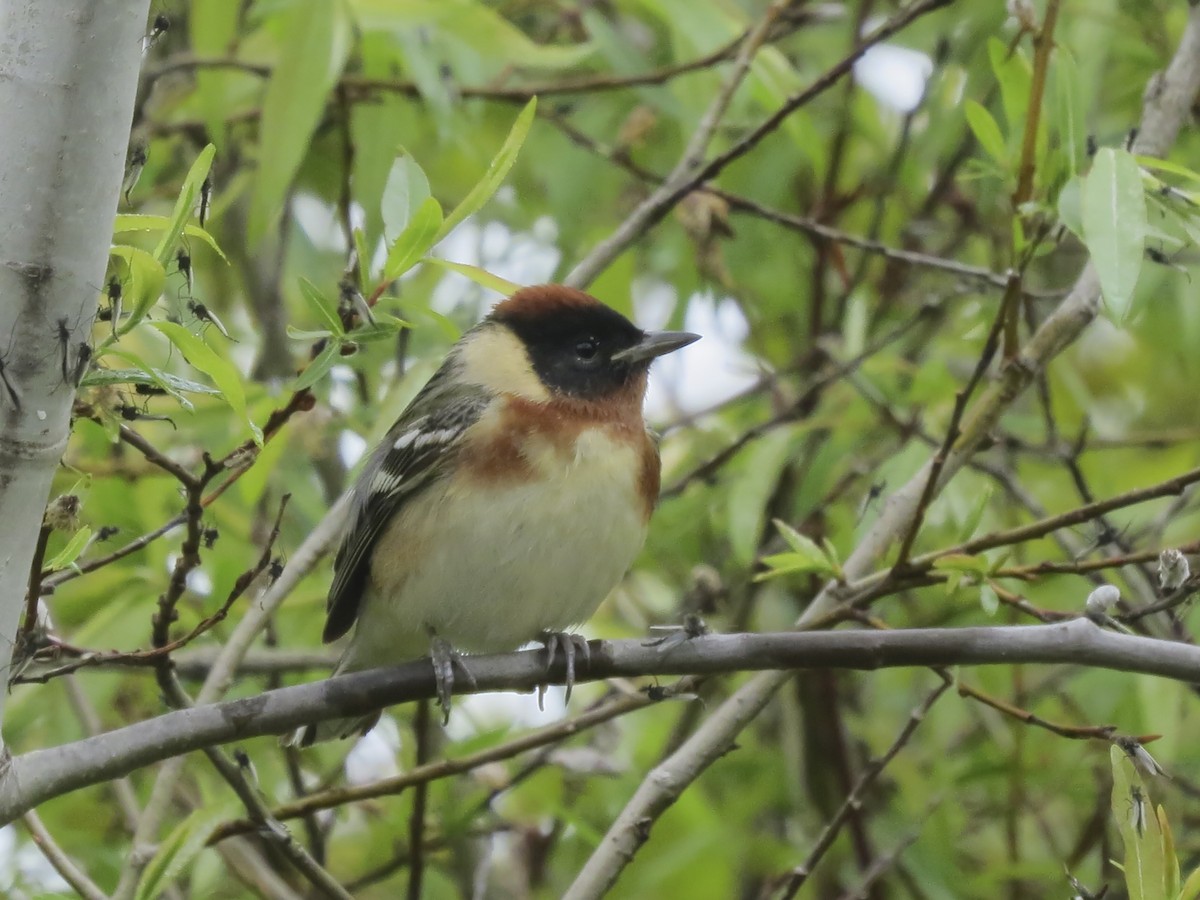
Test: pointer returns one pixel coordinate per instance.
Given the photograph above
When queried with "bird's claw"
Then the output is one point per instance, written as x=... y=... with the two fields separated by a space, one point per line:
x=445 y=660
x=570 y=644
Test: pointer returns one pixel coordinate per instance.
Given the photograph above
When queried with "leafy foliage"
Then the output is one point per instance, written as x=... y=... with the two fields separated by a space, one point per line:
x=848 y=274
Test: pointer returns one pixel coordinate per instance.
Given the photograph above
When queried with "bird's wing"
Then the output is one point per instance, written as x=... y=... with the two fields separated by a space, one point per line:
x=419 y=447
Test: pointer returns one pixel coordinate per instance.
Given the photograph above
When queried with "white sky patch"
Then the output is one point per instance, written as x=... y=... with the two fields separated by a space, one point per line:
x=374 y=755
x=351 y=447
x=520 y=257
x=893 y=75
x=319 y=222
x=475 y=713
x=199 y=582
x=25 y=864
x=343 y=389
x=702 y=374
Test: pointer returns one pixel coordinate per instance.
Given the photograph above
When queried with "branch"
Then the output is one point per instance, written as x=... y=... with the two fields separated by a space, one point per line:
x=359 y=84
x=654 y=207
x=63 y=864
x=854 y=799
x=442 y=768
x=40 y=775
x=1168 y=100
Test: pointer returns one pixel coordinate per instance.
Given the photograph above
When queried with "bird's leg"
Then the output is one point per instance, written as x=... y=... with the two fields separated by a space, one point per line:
x=445 y=660
x=570 y=644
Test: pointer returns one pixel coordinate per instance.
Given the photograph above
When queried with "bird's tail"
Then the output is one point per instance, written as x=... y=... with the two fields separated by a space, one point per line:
x=332 y=729
x=329 y=730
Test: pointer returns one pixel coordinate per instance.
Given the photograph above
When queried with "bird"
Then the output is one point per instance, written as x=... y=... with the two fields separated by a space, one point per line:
x=508 y=499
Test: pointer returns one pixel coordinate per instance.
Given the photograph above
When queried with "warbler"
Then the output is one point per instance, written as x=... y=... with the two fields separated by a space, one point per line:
x=508 y=499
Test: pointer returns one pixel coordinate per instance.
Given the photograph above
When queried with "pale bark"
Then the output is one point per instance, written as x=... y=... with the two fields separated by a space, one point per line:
x=68 y=77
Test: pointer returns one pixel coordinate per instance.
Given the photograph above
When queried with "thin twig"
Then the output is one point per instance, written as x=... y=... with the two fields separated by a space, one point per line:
x=63 y=864
x=654 y=207
x=156 y=456
x=853 y=800
x=446 y=768
x=519 y=94
x=673 y=190
x=155 y=655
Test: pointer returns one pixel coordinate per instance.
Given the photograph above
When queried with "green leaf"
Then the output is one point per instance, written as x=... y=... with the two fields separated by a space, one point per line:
x=1071 y=123
x=1145 y=863
x=471 y=24
x=223 y=373
x=494 y=176
x=404 y=195
x=184 y=204
x=319 y=367
x=384 y=327
x=146 y=279
x=1114 y=226
x=1070 y=206
x=68 y=554
x=1191 y=887
x=415 y=241
x=131 y=222
x=321 y=306
x=1170 y=858
x=962 y=562
x=806 y=556
x=1166 y=165
x=477 y=275
x=174 y=385
x=364 y=261
x=314 y=46
x=971 y=524
x=302 y=334
x=1015 y=76
x=986 y=131
x=989 y=602
x=751 y=490
x=178 y=852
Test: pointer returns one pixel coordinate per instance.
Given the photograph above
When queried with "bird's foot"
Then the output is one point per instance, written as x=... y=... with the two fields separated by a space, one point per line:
x=570 y=645
x=445 y=660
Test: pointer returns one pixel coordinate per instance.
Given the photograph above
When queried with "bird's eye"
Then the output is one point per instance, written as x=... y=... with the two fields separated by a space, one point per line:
x=587 y=350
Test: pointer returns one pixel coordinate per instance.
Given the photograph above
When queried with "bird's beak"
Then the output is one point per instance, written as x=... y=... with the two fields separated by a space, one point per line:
x=654 y=344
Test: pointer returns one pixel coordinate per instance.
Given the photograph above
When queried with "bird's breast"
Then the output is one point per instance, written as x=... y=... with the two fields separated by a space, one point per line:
x=534 y=540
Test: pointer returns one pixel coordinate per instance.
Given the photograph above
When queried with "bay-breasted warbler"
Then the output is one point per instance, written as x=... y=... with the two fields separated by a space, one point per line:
x=508 y=499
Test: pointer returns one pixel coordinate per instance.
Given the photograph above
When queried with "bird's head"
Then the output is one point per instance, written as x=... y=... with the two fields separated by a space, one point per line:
x=553 y=341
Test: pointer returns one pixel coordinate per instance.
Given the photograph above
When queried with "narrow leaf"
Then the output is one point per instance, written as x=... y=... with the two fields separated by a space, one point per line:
x=314 y=47
x=321 y=306
x=1145 y=866
x=319 y=366
x=177 y=853
x=477 y=275
x=986 y=131
x=184 y=204
x=1114 y=226
x=405 y=193
x=223 y=373
x=68 y=554
x=989 y=602
x=132 y=222
x=494 y=177
x=146 y=279
x=961 y=562
x=415 y=241
x=1191 y=887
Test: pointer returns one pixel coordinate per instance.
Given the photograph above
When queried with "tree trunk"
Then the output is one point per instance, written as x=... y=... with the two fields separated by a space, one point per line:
x=68 y=76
